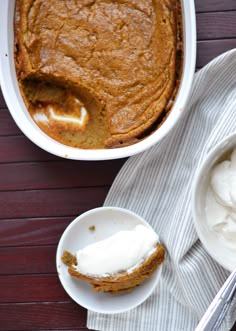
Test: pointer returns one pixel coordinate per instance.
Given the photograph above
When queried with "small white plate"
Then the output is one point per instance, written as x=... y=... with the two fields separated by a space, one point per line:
x=107 y=221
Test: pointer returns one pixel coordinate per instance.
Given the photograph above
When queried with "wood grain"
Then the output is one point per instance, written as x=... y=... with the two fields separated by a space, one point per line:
x=206 y=25
x=42 y=316
x=2 y=101
x=32 y=288
x=7 y=124
x=32 y=231
x=50 y=203
x=57 y=174
x=208 y=50
x=214 y=5
x=21 y=149
x=28 y=260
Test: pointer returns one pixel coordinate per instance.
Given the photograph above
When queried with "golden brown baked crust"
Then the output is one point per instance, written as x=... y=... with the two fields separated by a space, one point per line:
x=118 y=57
x=120 y=282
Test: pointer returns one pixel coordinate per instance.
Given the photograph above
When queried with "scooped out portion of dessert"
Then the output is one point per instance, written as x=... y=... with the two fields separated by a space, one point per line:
x=118 y=263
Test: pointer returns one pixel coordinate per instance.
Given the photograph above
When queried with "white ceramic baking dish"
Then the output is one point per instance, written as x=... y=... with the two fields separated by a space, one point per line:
x=22 y=118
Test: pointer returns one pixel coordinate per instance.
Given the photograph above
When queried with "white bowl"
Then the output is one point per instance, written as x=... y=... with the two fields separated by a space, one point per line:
x=22 y=118
x=210 y=240
x=107 y=221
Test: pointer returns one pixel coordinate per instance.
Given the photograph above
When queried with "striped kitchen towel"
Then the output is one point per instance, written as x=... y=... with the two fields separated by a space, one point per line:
x=157 y=185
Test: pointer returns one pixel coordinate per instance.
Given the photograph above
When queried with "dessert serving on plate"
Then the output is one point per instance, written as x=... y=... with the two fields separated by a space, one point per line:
x=98 y=74
x=118 y=263
x=109 y=251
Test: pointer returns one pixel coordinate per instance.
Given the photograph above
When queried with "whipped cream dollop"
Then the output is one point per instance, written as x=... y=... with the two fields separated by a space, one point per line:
x=53 y=114
x=221 y=201
x=122 y=251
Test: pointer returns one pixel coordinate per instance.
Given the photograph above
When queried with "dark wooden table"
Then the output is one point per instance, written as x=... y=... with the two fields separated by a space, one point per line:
x=40 y=194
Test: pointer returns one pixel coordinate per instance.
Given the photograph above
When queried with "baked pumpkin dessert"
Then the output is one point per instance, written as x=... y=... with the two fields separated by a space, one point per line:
x=98 y=74
x=118 y=263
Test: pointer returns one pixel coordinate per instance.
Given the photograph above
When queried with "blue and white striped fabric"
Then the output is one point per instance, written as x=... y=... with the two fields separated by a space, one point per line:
x=157 y=185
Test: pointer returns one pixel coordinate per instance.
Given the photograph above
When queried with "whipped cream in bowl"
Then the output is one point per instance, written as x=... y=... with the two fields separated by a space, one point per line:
x=107 y=241
x=214 y=202
x=221 y=200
